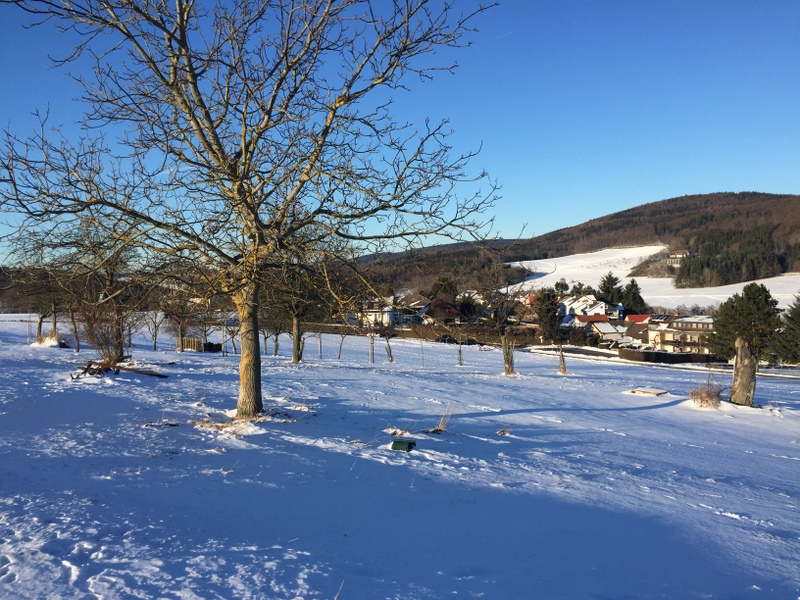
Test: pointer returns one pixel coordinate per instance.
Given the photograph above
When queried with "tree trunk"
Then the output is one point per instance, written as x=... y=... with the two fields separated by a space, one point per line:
x=460 y=361
x=389 y=356
x=118 y=332
x=276 y=344
x=297 y=341
x=73 y=321
x=371 y=337
x=181 y=332
x=232 y=338
x=562 y=366
x=250 y=403
x=743 y=387
x=39 y=322
x=54 y=333
x=341 y=343
x=508 y=354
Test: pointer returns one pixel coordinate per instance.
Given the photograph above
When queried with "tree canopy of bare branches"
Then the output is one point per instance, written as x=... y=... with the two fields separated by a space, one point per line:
x=245 y=128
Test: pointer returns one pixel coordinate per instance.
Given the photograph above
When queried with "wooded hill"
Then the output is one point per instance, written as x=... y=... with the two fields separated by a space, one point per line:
x=732 y=237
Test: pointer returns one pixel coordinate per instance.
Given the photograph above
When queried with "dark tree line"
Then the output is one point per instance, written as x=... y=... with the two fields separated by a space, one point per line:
x=734 y=256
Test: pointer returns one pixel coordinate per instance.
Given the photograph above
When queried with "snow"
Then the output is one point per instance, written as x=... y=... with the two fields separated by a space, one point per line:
x=542 y=485
x=589 y=268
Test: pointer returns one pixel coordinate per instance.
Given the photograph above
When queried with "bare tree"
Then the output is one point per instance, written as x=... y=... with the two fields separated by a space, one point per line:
x=243 y=126
x=85 y=271
x=273 y=322
x=40 y=294
x=153 y=320
x=503 y=303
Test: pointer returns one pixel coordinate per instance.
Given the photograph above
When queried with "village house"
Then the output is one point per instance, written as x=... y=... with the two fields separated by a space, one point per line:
x=441 y=311
x=471 y=295
x=394 y=310
x=411 y=308
x=378 y=312
x=681 y=334
x=582 y=321
x=607 y=331
x=588 y=305
x=636 y=334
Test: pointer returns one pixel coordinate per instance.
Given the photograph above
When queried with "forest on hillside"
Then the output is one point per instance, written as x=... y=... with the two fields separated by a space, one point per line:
x=468 y=266
x=731 y=237
x=720 y=257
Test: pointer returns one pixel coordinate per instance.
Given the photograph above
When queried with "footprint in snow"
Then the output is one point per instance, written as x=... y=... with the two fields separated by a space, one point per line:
x=6 y=574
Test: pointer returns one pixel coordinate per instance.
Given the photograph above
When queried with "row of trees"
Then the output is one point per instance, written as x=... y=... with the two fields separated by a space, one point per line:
x=104 y=296
x=252 y=142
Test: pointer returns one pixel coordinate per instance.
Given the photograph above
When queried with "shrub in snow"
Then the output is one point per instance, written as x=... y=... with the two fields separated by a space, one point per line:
x=707 y=396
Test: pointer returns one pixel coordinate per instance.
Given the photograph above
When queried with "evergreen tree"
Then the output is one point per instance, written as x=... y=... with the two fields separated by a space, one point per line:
x=745 y=327
x=444 y=288
x=610 y=290
x=546 y=308
x=580 y=289
x=632 y=299
x=561 y=286
x=788 y=344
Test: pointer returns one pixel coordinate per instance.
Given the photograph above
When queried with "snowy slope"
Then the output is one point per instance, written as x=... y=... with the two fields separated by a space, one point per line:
x=134 y=487
x=589 y=268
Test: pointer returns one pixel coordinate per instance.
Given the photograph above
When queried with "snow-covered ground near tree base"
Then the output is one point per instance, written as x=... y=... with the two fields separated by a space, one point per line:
x=589 y=268
x=130 y=486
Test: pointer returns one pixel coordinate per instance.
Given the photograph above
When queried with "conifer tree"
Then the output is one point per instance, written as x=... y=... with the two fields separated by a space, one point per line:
x=609 y=289
x=745 y=327
x=546 y=309
x=632 y=299
x=788 y=344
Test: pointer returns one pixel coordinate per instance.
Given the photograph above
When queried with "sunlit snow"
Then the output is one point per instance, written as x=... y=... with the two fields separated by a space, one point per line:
x=542 y=485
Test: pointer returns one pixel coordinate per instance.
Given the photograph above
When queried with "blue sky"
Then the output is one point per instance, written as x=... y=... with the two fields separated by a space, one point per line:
x=582 y=107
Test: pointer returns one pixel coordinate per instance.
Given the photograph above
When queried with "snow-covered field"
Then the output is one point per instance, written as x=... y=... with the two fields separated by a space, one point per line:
x=129 y=486
x=590 y=267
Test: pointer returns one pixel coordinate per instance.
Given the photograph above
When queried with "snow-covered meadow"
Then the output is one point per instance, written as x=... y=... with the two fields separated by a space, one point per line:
x=541 y=486
x=129 y=486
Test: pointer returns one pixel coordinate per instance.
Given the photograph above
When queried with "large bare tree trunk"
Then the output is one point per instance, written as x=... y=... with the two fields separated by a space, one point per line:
x=744 y=374
x=250 y=403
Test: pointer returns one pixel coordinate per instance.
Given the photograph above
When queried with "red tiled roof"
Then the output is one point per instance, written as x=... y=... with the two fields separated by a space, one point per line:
x=591 y=318
x=637 y=318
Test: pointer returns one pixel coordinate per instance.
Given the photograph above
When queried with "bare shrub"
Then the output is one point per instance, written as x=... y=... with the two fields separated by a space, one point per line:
x=443 y=420
x=103 y=324
x=706 y=396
